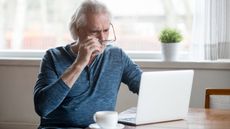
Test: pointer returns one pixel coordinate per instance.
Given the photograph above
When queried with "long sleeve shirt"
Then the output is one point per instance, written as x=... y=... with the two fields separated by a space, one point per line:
x=95 y=89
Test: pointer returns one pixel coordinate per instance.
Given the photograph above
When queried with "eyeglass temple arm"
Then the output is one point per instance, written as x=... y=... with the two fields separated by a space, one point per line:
x=115 y=38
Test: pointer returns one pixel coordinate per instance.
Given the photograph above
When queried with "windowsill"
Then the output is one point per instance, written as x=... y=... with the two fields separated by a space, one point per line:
x=144 y=63
x=183 y=64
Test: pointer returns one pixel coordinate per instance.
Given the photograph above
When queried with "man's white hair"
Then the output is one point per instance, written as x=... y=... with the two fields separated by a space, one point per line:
x=79 y=17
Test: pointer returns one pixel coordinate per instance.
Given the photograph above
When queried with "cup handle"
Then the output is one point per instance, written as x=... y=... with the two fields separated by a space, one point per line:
x=94 y=117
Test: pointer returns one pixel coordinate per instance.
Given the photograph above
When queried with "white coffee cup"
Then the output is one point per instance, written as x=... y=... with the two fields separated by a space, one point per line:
x=106 y=119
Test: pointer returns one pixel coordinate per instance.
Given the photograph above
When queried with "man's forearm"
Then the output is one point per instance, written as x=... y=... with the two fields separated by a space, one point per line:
x=72 y=73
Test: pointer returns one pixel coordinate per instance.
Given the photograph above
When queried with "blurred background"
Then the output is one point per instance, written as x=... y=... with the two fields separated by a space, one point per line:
x=41 y=24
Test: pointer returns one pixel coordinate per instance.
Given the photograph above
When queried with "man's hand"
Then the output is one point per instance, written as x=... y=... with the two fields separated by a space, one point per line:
x=87 y=50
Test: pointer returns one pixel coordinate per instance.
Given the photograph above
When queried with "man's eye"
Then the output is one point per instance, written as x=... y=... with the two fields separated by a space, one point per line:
x=106 y=30
x=93 y=32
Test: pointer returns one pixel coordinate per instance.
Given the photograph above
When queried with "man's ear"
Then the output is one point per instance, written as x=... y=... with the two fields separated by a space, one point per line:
x=80 y=33
x=77 y=31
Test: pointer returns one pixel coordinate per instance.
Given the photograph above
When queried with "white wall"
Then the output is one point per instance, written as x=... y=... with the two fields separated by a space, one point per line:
x=17 y=80
x=16 y=94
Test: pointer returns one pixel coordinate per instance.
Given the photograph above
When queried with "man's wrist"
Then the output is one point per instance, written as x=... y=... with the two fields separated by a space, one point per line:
x=76 y=66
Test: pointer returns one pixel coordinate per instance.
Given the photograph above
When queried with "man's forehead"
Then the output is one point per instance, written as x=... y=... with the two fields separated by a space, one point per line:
x=97 y=18
x=98 y=23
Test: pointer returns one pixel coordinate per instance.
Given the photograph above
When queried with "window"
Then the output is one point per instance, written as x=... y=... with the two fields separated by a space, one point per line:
x=41 y=24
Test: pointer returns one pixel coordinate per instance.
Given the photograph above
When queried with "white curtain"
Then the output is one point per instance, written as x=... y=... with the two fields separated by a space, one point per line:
x=211 y=30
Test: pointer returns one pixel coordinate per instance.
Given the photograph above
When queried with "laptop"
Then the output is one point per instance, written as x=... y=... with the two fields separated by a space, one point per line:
x=163 y=96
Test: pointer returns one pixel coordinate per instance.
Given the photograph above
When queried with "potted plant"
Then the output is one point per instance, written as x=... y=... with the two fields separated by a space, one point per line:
x=170 y=39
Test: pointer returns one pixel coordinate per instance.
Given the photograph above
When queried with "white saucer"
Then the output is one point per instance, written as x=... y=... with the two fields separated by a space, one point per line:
x=95 y=126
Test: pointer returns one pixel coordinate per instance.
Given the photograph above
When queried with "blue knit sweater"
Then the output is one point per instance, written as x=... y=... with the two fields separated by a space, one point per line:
x=95 y=89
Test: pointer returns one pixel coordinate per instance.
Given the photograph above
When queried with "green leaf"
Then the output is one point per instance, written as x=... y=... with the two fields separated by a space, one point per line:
x=170 y=35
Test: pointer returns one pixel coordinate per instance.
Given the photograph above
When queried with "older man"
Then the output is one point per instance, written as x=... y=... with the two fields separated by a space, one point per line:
x=83 y=77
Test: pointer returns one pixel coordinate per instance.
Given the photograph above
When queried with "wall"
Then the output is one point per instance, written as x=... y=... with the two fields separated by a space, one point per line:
x=17 y=80
x=16 y=93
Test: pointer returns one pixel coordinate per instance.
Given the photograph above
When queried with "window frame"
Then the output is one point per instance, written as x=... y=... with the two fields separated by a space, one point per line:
x=38 y=54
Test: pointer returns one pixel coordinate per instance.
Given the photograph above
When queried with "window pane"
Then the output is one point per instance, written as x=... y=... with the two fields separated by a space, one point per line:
x=41 y=24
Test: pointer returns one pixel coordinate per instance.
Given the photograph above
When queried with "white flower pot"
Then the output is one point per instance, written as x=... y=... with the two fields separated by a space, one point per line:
x=170 y=51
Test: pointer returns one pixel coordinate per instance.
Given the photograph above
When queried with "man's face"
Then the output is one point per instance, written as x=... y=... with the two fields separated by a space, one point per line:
x=97 y=26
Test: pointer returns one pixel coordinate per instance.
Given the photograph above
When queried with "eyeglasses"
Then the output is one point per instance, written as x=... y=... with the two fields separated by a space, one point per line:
x=111 y=38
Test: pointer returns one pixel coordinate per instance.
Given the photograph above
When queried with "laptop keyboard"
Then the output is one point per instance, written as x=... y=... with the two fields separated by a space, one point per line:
x=128 y=119
x=128 y=115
